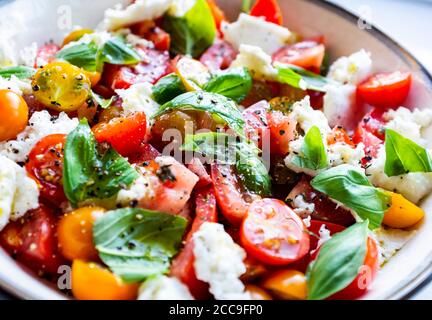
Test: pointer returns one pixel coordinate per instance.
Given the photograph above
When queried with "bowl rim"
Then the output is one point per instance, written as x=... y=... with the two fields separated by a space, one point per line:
x=415 y=280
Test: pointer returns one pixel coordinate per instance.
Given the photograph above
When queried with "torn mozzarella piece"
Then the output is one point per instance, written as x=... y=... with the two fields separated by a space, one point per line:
x=353 y=69
x=339 y=102
x=164 y=288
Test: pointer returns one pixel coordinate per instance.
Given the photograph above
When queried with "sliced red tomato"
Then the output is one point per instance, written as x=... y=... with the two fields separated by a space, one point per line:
x=45 y=165
x=156 y=65
x=306 y=54
x=273 y=233
x=325 y=209
x=125 y=134
x=371 y=132
x=217 y=13
x=32 y=240
x=256 y=123
x=339 y=135
x=160 y=39
x=282 y=131
x=46 y=54
x=219 y=56
x=197 y=167
x=269 y=9
x=182 y=266
x=146 y=152
x=228 y=194
x=386 y=90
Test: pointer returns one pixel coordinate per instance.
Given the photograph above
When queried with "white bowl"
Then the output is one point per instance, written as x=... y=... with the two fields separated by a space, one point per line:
x=40 y=20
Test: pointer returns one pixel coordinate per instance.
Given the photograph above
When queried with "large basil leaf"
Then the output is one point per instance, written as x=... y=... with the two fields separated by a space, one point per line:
x=167 y=88
x=84 y=55
x=117 y=51
x=137 y=243
x=314 y=152
x=21 y=72
x=338 y=262
x=404 y=155
x=89 y=174
x=298 y=77
x=214 y=103
x=225 y=149
x=193 y=33
x=350 y=187
x=232 y=83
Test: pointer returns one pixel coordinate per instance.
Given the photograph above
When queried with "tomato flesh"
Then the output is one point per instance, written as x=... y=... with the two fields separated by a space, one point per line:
x=269 y=9
x=219 y=56
x=46 y=54
x=386 y=90
x=306 y=54
x=273 y=234
x=371 y=132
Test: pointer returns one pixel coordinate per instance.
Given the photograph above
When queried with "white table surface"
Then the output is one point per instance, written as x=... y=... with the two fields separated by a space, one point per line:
x=409 y=22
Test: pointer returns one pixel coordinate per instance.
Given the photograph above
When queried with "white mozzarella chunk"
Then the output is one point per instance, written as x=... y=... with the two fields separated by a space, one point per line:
x=390 y=241
x=138 y=98
x=339 y=102
x=342 y=153
x=256 y=61
x=99 y=38
x=16 y=85
x=307 y=117
x=41 y=124
x=353 y=69
x=140 y=10
x=18 y=192
x=140 y=189
x=303 y=208
x=219 y=262
x=256 y=32
x=164 y=288
x=324 y=235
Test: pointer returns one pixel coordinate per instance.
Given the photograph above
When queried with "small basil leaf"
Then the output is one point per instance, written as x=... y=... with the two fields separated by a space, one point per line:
x=84 y=55
x=21 y=72
x=137 y=243
x=350 y=187
x=404 y=155
x=232 y=83
x=117 y=51
x=167 y=88
x=298 y=77
x=193 y=33
x=88 y=174
x=213 y=103
x=338 y=262
x=101 y=102
x=246 y=6
x=314 y=152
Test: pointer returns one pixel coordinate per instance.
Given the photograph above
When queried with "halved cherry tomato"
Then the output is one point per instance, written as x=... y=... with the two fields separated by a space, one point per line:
x=256 y=123
x=306 y=54
x=228 y=195
x=76 y=35
x=339 y=135
x=33 y=241
x=366 y=274
x=261 y=90
x=217 y=13
x=269 y=9
x=90 y=281
x=193 y=73
x=282 y=131
x=156 y=65
x=325 y=209
x=125 y=134
x=14 y=114
x=75 y=234
x=386 y=90
x=160 y=39
x=146 y=152
x=287 y=284
x=46 y=166
x=273 y=234
x=219 y=56
x=183 y=265
x=46 y=54
x=257 y=293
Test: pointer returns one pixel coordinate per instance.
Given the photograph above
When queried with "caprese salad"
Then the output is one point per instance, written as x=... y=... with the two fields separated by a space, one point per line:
x=173 y=154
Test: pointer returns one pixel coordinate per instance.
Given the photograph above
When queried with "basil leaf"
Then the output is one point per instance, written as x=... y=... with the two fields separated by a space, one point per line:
x=89 y=174
x=117 y=51
x=338 y=262
x=84 y=55
x=137 y=243
x=350 y=187
x=232 y=83
x=246 y=6
x=21 y=72
x=314 y=152
x=214 y=103
x=193 y=33
x=225 y=149
x=167 y=88
x=404 y=155
x=101 y=102
x=298 y=77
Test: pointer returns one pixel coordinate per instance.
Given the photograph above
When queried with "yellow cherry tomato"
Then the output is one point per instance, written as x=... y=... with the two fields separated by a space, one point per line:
x=75 y=233
x=193 y=73
x=402 y=213
x=257 y=293
x=75 y=35
x=61 y=86
x=287 y=285
x=91 y=281
x=13 y=114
